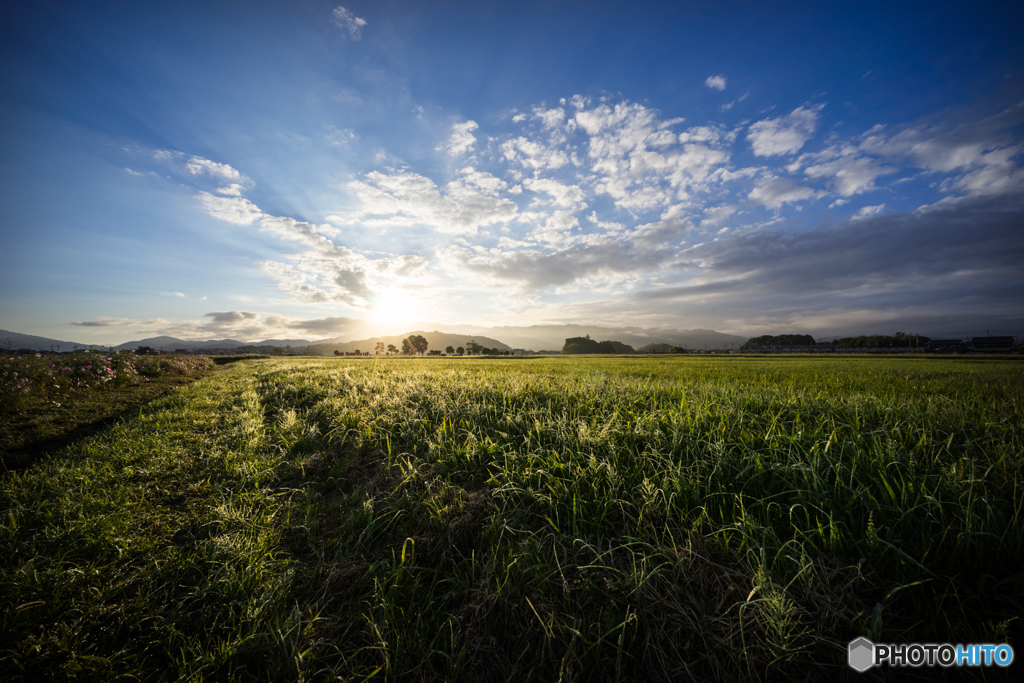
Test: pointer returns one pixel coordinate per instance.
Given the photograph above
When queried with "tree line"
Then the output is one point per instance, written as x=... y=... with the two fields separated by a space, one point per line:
x=417 y=345
x=899 y=340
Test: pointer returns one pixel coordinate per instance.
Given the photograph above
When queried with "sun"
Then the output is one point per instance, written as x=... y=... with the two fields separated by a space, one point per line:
x=394 y=307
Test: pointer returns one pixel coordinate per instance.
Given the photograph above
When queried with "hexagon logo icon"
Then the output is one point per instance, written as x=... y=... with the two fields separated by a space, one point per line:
x=862 y=654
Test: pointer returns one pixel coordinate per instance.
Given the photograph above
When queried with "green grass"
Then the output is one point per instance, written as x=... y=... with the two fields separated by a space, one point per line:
x=542 y=519
x=34 y=423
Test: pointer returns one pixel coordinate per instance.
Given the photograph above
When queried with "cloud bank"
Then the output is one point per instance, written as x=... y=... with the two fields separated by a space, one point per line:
x=607 y=209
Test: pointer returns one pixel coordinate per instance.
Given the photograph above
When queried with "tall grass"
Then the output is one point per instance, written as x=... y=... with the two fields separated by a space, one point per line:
x=545 y=519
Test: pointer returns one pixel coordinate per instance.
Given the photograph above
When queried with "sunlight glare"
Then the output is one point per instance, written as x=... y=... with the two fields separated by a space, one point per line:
x=394 y=308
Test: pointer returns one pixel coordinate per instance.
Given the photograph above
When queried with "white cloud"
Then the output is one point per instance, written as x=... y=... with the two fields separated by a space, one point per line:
x=729 y=105
x=324 y=272
x=715 y=82
x=201 y=166
x=773 y=192
x=461 y=139
x=641 y=163
x=167 y=155
x=562 y=195
x=660 y=234
x=248 y=326
x=532 y=154
x=320 y=281
x=980 y=156
x=337 y=137
x=235 y=210
x=349 y=22
x=408 y=266
x=556 y=228
x=299 y=231
x=549 y=118
x=232 y=190
x=849 y=171
x=717 y=215
x=403 y=198
x=487 y=183
x=786 y=134
x=609 y=226
x=868 y=212
x=706 y=134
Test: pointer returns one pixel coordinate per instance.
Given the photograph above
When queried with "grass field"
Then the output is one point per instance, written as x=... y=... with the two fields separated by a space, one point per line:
x=48 y=401
x=540 y=519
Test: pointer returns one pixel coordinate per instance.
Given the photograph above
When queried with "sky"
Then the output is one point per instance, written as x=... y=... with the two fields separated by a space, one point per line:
x=255 y=170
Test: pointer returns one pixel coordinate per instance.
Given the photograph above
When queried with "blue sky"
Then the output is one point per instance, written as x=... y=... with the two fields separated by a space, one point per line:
x=309 y=169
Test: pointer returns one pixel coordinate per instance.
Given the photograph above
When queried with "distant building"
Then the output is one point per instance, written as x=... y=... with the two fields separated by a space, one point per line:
x=946 y=346
x=992 y=344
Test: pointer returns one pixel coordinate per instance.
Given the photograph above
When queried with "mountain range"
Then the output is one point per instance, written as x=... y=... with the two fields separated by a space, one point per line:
x=532 y=338
x=436 y=340
x=537 y=337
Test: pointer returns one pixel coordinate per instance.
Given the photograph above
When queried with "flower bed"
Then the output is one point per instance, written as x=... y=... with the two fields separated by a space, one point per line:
x=56 y=377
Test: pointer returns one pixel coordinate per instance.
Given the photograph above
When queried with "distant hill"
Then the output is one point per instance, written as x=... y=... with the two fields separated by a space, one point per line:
x=284 y=342
x=173 y=343
x=17 y=341
x=655 y=348
x=537 y=337
x=533 y=338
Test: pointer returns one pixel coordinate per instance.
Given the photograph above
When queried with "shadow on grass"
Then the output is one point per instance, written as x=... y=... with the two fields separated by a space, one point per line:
x=43 y=428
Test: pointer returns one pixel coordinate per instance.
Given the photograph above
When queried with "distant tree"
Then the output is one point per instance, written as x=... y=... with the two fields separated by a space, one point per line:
x=379 y=348
x=337 y=352
x=880 y=341
x=780 y=340
x=407 y=347
x=449 y=350
x=357 y=352
x=419 y=343
x=145 y=351
x=460 y=351
x=392 y=349
x=434 y=352
x=473 y=348
x=588 y=345
x=619 y=347
x=580 y=345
